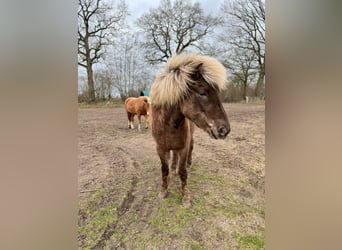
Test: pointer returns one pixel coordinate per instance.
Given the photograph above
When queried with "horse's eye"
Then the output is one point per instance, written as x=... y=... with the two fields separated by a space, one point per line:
x=203 y=94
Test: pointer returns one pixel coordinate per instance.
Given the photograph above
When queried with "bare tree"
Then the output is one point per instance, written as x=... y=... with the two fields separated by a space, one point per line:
x=103 y=84
x=242 y=67
x=126 y=66
x=96 y=21
x=246 y=20
x=173 y=27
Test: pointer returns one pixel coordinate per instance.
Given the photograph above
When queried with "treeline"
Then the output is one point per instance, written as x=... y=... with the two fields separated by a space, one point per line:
x=119 y=60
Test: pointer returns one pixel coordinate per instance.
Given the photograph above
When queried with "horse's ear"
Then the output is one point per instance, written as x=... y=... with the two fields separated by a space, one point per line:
x=199 y=67
x=198 y=72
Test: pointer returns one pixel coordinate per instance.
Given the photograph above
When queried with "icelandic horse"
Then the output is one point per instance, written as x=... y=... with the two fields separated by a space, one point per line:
x=185 y=94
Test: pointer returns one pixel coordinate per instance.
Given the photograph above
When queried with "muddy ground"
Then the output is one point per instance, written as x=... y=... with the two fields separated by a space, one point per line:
x=120 y=177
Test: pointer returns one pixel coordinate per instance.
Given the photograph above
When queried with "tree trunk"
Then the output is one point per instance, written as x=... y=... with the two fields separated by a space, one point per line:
x=91 y=90
x=260 y=82
x=244 y=90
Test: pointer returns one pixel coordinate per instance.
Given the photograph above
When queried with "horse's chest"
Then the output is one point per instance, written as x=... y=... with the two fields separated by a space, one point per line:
x=170 y=129
x=170 y=137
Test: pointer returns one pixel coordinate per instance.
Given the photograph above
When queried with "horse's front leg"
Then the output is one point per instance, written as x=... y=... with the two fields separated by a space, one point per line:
x=189 y=157
x=164 y=159
x=191 y=145
x=129 y=119
x=175 y=160
x=132 y=121
x=183 y=174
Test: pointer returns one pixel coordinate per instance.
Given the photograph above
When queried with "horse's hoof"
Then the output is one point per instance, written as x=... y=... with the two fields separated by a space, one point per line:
x=162 y=195
x=186 y=202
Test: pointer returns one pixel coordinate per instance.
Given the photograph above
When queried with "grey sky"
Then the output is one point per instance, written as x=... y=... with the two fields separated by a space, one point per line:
x=138 y=7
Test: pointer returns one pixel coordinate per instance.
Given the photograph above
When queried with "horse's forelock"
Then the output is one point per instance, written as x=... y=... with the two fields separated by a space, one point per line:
x=171 y=86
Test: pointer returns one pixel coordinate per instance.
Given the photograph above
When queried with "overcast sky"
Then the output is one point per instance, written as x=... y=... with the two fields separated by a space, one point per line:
x=138 y=7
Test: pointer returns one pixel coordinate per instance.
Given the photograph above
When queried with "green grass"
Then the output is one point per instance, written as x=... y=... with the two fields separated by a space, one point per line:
x=196 y=246
x=251 y=242
x=213 y=200
x=98 y=218
x=175 y=221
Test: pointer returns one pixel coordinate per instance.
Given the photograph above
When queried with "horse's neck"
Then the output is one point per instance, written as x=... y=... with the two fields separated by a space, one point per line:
x=170 y=117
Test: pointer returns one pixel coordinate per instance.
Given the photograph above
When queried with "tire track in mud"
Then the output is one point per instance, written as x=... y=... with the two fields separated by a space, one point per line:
x=129 y=198
x=121 y=210
x=126 y=203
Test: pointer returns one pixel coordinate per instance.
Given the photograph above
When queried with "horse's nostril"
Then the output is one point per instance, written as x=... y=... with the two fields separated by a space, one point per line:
x=223 y=131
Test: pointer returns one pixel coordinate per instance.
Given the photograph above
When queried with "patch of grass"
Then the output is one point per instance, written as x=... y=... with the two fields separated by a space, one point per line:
x=259 y=208
x=230 y=211
x=199 y=174
x=251 y=242
x=215 y=200
x=216 y=180
x=244 y=180
x=97 y=217
x=196 y=246
x=140 y=183
x=170 y=218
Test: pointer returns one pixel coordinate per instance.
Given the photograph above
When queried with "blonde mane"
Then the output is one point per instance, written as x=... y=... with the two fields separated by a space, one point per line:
x=172 y=84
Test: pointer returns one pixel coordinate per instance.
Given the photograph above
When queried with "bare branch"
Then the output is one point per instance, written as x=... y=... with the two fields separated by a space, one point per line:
x=245 y=20
x=173 y=27
x=96 y=20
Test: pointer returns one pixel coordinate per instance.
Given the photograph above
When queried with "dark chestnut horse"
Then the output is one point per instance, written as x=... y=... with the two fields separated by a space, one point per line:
x=139 y=106
x=185 y=94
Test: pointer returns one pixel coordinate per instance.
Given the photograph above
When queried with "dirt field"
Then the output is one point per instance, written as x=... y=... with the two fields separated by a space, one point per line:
x=120 y=177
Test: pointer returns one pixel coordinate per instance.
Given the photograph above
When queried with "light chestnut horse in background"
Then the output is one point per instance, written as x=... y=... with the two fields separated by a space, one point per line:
x=139 y=106
x=186 y=94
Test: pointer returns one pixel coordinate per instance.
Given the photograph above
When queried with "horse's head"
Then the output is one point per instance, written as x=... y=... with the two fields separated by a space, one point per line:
x=203 y=107
x=192 y=84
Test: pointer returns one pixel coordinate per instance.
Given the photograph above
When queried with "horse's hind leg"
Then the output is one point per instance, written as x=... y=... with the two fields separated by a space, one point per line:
x=164 y=159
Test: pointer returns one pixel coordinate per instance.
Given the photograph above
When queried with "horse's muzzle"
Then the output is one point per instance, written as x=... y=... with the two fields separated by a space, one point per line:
x=218 y=132
x=223 y=132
